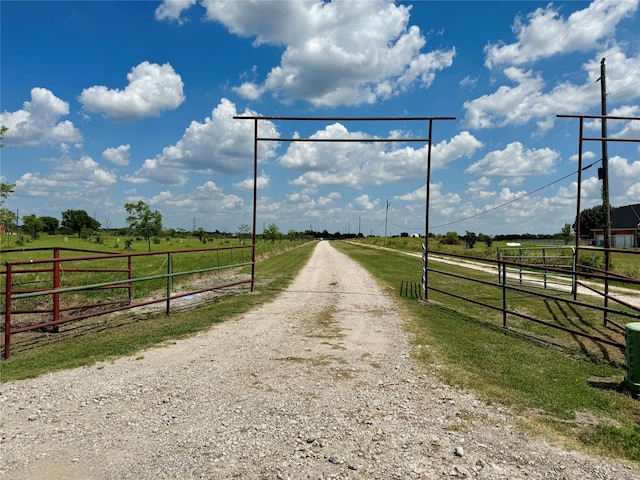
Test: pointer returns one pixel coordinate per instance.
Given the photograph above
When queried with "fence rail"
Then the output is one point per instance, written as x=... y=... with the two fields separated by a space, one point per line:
x=48 y=292
x=519 y=274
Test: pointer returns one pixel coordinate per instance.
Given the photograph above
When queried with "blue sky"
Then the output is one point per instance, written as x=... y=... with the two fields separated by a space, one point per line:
x=115 y=102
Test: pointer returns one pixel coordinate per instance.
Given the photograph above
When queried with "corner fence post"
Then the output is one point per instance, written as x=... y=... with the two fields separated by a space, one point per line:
x=503 y=267
x=544 y=266
x=520 y=260
x=169 y=278
x=129 y=269
x=7 y=313
x=56 y=285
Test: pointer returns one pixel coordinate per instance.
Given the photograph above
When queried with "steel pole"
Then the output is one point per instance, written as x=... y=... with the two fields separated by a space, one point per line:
x=426 y=218
x=578 y=206
x=255 y=201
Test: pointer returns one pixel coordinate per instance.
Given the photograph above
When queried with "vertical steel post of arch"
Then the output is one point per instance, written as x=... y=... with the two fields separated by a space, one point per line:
x=574 y=281
x=255 y=202
x=425 y=265
x=603 y=139
x=7 y=311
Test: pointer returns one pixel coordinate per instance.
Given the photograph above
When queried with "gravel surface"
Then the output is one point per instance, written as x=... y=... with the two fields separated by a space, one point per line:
x=317 y=384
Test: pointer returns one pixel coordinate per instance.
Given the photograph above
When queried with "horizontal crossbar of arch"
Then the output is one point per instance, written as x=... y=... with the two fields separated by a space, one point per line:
x=344 y=119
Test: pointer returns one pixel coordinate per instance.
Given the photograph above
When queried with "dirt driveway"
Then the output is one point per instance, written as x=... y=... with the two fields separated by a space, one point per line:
x=317 y=384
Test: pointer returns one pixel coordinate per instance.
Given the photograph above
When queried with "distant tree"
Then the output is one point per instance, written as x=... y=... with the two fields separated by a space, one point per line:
x=244 y=231
x=487 y=239
x=565 y=233
x=77 y=220
x=451 y=238
x=107 y=223
x=470 y=239
x=51 y=224
x=272 y=232
x=591 y=219
x=6 y=189
x=142 y=221
x=8 y=219
x=201 y=234
x=32 y=225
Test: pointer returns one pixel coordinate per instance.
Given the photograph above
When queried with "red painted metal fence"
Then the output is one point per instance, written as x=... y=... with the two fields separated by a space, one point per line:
x=41 y=293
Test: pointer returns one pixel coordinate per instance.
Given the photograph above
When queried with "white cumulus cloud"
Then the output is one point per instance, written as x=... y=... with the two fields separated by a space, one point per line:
x=152 y=89
x=514 y=163
x=545 y=32
x=247 y=184
x=358 y=165
x=171 y=10
x=335 y=53
x=117 y=155
x=39 y=122
x=219 y=144
x=69 y=179
x=365 y=203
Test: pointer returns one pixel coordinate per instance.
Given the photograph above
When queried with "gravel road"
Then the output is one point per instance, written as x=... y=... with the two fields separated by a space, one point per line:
x=318 y=384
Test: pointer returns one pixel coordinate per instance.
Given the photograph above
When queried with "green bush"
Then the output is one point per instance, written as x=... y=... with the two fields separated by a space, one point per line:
x=591 y=261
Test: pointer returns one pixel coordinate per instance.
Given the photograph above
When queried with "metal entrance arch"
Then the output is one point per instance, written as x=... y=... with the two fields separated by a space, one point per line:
x=257 y=138
x=604 y=139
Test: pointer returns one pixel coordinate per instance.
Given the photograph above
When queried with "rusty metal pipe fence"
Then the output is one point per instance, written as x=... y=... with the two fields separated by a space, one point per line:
x=513 y=278
x=48 y=292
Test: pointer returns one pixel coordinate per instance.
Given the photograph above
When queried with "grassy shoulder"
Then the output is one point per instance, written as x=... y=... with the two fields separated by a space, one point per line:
x=561 y=392
x=127 y=334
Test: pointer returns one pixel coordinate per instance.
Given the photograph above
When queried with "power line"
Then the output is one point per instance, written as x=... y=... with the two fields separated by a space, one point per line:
x=514 y=199
x=502 y=204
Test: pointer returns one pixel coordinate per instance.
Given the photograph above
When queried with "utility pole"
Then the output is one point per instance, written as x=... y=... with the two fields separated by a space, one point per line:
x=386 y=218
x=605 y=163
x=605 y=188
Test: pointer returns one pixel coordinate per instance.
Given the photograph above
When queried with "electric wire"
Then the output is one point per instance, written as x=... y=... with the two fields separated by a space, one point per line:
x=515 y=199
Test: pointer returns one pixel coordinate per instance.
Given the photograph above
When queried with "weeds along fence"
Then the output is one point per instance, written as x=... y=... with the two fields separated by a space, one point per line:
x=537 y=298
x=44 y=293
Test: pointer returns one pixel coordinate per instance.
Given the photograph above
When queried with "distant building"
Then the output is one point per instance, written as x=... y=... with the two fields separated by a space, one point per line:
x=625 y=227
